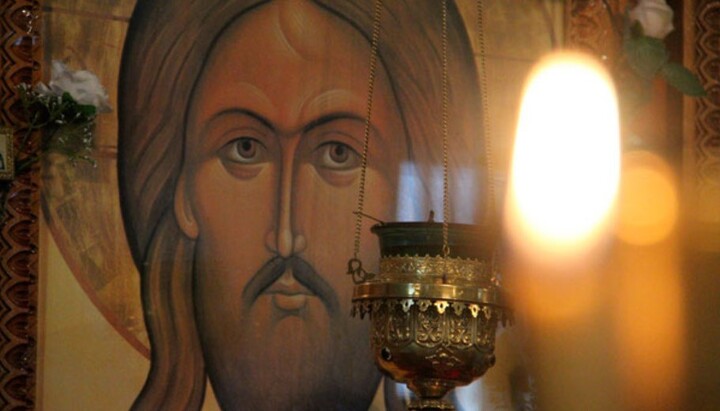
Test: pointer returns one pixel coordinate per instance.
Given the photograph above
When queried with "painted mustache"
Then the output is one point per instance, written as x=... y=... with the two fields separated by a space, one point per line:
x=303 y=273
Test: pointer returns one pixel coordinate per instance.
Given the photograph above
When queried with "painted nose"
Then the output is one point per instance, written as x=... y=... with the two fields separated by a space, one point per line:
x=283 y=239
x=285 y=243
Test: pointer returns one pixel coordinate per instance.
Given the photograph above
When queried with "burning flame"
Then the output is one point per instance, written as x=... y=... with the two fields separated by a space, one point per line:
x=566 y=163
x=590 y=305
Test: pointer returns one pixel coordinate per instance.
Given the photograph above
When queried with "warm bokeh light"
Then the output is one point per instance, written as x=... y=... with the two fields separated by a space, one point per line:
x=649 y=325
x=648 y=301
x=566 y=159
x=563 y=186
x=606 y=322
x=648 y=202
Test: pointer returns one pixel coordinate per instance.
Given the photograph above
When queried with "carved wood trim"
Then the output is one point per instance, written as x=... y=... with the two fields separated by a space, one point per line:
x=703 y=128
x=19 y=58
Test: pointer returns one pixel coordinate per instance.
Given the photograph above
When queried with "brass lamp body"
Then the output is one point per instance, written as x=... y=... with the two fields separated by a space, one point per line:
x=433 y=318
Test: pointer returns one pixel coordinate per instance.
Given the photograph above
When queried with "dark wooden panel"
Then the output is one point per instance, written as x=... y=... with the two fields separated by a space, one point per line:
x=19 y=59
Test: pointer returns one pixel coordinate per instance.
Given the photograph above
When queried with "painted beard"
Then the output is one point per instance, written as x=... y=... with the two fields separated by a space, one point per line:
x=294 y=347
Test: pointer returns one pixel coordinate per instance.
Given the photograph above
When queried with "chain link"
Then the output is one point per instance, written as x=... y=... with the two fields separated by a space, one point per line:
x=490 y=213
x=366 y=133
x=445 y=98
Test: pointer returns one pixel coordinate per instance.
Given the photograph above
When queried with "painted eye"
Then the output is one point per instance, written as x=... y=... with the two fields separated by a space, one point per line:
x=246 y=150
x=339 y=153
x=337 y=156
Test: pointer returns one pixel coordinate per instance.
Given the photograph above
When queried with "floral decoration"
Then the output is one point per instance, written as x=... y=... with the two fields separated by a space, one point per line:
x=647 y=24
x=65 y=110
x=654 y=16
x=643 y=29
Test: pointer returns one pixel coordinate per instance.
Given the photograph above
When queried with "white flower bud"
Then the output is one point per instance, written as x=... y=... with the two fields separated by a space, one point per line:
x=655 y=17
x=82 y=85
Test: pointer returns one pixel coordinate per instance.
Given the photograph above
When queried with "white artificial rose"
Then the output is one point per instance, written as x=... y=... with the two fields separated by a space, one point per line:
x=655 y=17
x=82 y=85
x=43 y=90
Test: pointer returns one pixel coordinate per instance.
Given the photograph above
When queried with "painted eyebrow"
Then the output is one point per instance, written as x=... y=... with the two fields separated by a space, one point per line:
x=322 y=120
x=240 y=111
x=329 y=118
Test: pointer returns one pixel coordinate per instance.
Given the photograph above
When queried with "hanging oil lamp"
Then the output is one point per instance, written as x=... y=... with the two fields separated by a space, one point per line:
x=436 y=301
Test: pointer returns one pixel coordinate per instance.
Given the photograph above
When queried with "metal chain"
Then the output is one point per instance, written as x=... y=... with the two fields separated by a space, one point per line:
x=446 y=194
x=490 y=166
x=491 y=213
x=366 y=134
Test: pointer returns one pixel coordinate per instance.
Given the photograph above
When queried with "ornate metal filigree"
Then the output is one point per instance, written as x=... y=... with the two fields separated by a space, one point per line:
x=395 y=325
x=430 y=404
x=432 y=345
x=362 y=307
x=437 y=269
x=433 y=321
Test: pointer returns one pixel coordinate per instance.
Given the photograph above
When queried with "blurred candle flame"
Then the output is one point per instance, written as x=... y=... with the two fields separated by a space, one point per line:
x=560 y=208
x=604 y=311
x=566 y=162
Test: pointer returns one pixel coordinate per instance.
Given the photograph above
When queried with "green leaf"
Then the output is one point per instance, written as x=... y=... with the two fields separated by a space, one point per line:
x=683 y=80
x=635 y=28
x=87 y=110
x=645 y=55
x=68 y=98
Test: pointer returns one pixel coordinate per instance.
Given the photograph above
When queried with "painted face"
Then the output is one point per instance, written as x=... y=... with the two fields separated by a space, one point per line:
x=270 y=180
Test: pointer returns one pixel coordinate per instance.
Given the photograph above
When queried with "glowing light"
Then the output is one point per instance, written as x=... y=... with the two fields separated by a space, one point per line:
x=566 y=160
x=648 y=207
x=648 y=301
x=649 y=325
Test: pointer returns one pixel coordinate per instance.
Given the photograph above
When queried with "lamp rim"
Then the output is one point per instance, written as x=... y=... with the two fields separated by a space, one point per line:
x=436 y=292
